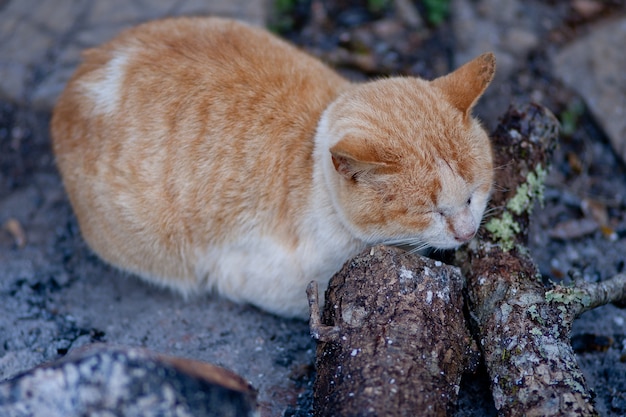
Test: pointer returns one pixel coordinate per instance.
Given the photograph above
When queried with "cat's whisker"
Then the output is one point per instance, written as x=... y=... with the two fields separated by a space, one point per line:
x=415 y=244
x=419 y=248
x=502 y=167
x=490 y=212
x=483 y=222
x=480 y=233
x=499 y=187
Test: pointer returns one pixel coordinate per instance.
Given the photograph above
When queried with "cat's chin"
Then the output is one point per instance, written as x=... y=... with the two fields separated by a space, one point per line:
x=426 y=248
x=439 y=246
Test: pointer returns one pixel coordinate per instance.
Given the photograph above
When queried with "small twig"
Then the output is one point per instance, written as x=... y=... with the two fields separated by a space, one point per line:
x=15 y=229
x=585 y=296
x=319 y=331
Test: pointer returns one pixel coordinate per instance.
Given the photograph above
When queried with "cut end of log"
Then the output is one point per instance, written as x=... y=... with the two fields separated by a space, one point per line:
x=401 y=340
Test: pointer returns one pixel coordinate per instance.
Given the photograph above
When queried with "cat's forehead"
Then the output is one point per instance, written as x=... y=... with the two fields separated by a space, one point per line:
x=406 y=98
x=443 y=183
x=398 y=113
x=454 y=186
x=460 y=181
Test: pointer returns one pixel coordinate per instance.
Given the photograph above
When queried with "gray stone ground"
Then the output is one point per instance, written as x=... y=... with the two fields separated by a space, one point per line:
x=40 y=41
x=55 y=295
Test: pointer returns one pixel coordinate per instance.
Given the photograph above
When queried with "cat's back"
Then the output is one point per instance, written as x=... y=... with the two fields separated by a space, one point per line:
x=166 y=134
x=195 y=58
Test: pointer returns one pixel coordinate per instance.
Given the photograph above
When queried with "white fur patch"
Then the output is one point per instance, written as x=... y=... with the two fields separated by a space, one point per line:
x=104 y=90
x=262 y=271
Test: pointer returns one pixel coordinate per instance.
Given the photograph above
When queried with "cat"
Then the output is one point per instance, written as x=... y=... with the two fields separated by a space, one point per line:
x=202 y=153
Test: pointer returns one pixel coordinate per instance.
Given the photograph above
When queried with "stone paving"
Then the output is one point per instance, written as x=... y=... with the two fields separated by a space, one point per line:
x=40 y=41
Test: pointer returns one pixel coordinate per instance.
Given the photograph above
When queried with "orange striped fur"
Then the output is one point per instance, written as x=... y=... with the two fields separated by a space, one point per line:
x=207 y=154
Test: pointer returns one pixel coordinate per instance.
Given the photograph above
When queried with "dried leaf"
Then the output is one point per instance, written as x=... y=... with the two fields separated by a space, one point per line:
x=16 y=230
x=595 y=210
x=573 y=229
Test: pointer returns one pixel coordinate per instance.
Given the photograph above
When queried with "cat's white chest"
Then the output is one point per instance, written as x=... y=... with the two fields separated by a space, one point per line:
x=264 y=271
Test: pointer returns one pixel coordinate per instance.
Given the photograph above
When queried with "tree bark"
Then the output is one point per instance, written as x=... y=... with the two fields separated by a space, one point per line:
x=393 y=340
x=523 y=329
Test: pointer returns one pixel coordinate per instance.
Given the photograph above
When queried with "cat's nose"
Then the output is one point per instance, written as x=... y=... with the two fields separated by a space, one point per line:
x=463 y=226
x=463 y=236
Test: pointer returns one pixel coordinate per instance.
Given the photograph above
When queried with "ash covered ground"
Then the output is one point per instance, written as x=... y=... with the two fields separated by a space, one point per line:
x=55 y=295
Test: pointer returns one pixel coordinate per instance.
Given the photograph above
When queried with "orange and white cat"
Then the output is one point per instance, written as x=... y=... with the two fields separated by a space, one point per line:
x=207 y=154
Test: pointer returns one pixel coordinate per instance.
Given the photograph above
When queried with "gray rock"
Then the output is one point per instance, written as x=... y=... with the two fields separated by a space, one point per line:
x=594 y=66
x=126 y=382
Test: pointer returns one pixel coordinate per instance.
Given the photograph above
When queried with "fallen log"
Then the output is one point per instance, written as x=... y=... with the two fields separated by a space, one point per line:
x=392 y=340
x=523 y=326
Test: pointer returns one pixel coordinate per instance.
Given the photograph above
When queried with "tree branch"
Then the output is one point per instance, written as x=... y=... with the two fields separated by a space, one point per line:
x=585 y=296
x=522 y=328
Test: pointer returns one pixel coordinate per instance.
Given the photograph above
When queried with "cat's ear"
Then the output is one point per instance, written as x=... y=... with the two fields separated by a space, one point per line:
x=355 y=160
x=464 y=86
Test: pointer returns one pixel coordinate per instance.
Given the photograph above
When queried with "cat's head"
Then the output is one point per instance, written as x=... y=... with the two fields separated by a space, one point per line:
x=408 y=164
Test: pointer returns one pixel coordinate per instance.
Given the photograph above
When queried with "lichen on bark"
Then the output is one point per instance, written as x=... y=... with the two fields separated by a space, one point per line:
x=523 y=327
